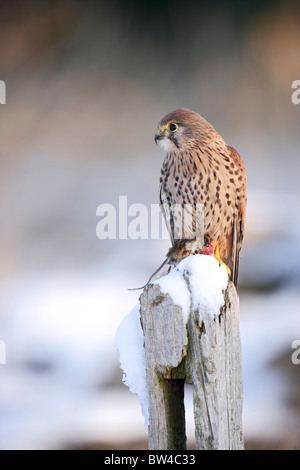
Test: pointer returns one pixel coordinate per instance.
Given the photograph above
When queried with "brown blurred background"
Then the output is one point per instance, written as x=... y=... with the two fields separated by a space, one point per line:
x=87 y=83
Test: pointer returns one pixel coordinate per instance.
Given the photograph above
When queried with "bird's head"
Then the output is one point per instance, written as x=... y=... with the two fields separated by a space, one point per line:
x=183 y=129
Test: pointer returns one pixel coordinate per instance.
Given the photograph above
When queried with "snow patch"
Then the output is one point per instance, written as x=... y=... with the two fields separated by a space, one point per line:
x=175 y=285
x=207 y=282
x=130 y=344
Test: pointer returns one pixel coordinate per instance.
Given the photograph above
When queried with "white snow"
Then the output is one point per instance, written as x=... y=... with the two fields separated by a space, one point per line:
x=174 y=284
x=207 y=281
x=130 y=344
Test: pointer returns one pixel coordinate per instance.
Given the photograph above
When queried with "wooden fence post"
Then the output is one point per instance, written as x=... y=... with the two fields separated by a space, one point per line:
x=208 y=355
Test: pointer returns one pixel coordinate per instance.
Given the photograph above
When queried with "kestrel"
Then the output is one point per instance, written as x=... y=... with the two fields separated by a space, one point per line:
x=201 y=169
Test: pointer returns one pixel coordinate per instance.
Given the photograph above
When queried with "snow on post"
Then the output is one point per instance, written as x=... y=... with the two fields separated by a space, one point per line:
x=190 y=324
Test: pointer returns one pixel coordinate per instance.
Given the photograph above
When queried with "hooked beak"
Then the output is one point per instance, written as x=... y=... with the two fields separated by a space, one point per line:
x=158 y=137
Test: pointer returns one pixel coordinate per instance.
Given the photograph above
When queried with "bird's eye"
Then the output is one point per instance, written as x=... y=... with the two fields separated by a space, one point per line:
x=172 y=126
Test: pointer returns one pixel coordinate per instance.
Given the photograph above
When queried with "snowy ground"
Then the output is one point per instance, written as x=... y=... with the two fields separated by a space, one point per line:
x=269 y=326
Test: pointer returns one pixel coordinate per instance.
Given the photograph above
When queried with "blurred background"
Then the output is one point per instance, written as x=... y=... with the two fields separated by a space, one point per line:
x=87 y=83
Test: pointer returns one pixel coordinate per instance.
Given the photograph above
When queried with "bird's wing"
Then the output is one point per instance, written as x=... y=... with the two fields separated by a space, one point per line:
x=239 y=222
x=167 y=213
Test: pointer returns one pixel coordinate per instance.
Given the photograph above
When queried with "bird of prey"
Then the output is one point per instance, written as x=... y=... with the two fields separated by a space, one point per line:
x=201 y=170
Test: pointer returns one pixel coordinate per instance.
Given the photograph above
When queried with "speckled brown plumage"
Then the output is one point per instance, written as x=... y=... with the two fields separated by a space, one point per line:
x=200 y=168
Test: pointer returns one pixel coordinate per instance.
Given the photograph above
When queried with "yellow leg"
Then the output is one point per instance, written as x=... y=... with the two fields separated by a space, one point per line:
x=217 y=256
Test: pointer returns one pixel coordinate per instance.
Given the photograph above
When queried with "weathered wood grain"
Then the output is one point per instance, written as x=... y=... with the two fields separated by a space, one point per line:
x=207 y=353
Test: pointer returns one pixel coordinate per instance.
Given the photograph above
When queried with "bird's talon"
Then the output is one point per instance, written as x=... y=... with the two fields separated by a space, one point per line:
x=225 y=265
